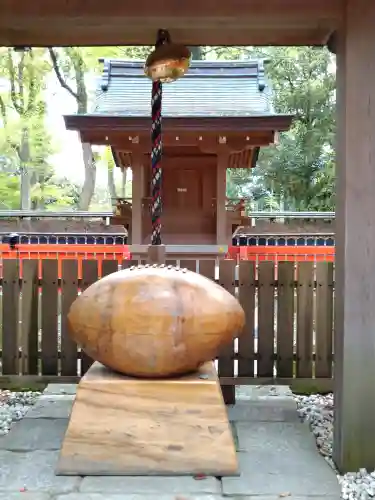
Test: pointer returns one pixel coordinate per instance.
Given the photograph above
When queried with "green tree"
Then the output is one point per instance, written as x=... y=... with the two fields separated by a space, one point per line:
x=59 y=194
x=71 y=66
x=300 y=170
x=9 y=192
x=24 y=140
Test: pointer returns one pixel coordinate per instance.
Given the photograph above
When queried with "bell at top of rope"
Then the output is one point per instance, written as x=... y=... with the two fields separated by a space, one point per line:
x=169 y=61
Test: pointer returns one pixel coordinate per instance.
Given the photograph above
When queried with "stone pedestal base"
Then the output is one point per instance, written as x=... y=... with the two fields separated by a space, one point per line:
x=127 y=426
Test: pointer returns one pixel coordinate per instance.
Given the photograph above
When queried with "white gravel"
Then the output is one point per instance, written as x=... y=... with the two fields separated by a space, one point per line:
x=317 y=410
x=13 y=407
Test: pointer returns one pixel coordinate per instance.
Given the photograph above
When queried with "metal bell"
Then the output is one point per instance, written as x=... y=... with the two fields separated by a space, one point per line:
x=168 y=62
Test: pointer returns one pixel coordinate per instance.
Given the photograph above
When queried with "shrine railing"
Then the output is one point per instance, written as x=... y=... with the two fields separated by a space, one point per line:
x=287 y=338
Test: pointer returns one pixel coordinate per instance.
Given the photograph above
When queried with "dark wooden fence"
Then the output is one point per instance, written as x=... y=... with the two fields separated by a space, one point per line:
x=287 y=338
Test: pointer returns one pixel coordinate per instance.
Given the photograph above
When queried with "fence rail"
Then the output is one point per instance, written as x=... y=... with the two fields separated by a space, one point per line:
x=46 y=214
x=82 y=252
x=287 y=337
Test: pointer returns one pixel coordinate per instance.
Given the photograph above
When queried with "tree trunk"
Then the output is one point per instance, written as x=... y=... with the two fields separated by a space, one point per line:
x=123 y=182
x=88 y=187
x=25 y=188
x=42 y=201
x=77 y=67
x=196 y=53
x=24 y=156
x=111 y=183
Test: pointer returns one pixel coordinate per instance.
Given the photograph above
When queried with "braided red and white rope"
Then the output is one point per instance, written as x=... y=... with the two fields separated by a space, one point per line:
x=156 y=156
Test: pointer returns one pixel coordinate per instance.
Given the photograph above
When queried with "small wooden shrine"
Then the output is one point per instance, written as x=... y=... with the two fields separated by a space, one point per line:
x=216 y=117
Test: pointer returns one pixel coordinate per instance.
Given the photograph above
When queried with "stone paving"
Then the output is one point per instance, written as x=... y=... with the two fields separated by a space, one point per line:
x=277 y=454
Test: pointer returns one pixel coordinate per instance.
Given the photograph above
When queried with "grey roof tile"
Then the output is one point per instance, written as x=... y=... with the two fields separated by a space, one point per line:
x=217 y=89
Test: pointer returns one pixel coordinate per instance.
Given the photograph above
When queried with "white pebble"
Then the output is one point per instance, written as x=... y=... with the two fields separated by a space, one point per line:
x=317 y=411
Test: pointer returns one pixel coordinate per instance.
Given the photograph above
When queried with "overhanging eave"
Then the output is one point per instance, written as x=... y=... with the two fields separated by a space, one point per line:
x=141 y=125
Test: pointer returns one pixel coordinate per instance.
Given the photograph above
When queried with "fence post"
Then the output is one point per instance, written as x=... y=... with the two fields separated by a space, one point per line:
x=50 y=297
x=246 y=295
x=29 y=316
x=226 y=357
x=11 y=296
x=69 y=292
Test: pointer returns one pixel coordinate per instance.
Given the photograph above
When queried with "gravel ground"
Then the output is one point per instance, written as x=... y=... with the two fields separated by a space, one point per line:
x=13 y=407
x=317 y=410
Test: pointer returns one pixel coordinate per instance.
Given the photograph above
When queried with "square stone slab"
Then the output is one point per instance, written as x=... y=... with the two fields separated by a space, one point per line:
x=60 y=389
x=280 y=458
x=151 y=496
x=262 y=392
x=105 y=496
x=287 y=437
x=24 y=495
x=266 y=410
x=35 y=434
x=52 y=406
x=177 y=485
x=34 y=471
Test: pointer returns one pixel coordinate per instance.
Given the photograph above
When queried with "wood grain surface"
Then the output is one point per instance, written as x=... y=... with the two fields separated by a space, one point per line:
x=155 y=321
x=129 y=426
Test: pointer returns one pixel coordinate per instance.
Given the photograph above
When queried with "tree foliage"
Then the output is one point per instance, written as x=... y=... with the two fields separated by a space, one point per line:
x=25 y=143
x=299 y=172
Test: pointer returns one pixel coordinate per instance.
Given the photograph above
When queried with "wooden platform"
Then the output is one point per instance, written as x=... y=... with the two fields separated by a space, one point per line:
x=126 y=426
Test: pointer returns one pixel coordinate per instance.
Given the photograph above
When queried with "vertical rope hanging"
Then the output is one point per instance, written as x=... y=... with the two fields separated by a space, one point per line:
x=156 y=152
x=166 y=63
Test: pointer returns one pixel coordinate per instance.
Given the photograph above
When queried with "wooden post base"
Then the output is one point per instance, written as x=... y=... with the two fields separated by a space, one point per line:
x=127 y=426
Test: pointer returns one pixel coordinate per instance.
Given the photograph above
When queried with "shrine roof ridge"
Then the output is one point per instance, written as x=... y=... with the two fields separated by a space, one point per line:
x=208 y=69
x=210 y=88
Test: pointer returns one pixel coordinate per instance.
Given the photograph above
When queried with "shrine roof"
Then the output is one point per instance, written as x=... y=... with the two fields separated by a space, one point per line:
x=209 y=89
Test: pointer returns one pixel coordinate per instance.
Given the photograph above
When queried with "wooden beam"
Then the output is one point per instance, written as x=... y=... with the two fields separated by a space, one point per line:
x=136 y=128
x=221 y=186
x=354 y=370
x=73 y=22
x=137 y=195
x=206 y=142
x=108 y=34
x=289 y=12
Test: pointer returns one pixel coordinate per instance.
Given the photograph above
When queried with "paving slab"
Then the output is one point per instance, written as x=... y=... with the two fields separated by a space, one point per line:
x=60 y=389
x=280 y=458
x=52 y=406
x=150 y=496
x=34 y=472
x=278 y=437
x=266 y=410
x=24 y=495
x=263 y=392
x=282 y=477
x=32 y=434
x=178 y=485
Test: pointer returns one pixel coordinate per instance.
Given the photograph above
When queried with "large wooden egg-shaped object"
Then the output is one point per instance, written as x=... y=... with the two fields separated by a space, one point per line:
x=154 y=321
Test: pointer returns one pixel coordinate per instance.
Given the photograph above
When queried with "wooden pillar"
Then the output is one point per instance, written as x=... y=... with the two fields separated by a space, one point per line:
x=137 y=195
x=124 y=172
x=354 y=372
x=221 y=187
